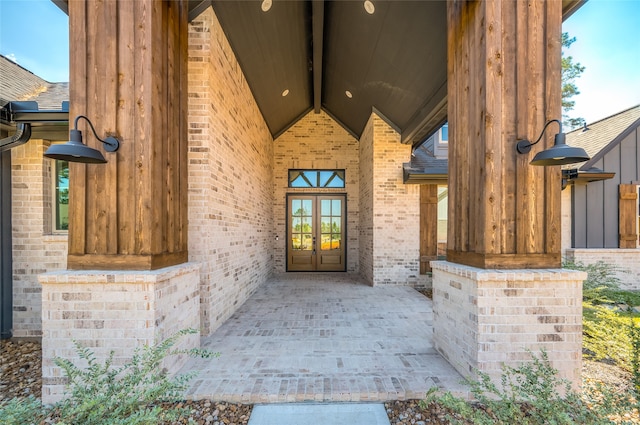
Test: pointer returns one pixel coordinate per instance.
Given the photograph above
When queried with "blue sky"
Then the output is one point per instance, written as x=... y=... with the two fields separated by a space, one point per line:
x=35 y=34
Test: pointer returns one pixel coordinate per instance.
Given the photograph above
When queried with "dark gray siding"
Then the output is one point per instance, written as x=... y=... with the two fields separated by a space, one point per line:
x=595 y=205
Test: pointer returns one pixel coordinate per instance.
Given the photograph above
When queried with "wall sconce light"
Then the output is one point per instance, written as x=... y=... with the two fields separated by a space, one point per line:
x=559 y=154
x=76 y=151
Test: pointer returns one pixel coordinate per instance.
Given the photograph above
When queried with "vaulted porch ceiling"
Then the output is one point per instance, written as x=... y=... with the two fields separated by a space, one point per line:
x=339 y=57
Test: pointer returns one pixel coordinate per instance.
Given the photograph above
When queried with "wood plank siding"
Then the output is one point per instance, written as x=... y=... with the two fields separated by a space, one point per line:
x=128 y=74
x=504 y=84
x=597 y=206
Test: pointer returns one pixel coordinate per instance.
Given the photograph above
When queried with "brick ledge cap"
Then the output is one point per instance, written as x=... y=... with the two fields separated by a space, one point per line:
x=513 y=274
x=102 y=276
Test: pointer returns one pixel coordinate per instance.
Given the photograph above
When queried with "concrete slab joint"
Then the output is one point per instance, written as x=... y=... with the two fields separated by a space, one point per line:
x=484 y=319
x=115 y=311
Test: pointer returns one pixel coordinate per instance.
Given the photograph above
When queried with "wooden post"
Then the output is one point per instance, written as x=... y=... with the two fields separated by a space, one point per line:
x=504 y=65
x=128 y=75
x=428 y=226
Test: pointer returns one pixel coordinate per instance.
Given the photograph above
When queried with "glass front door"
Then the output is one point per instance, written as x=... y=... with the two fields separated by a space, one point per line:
x=316 y=233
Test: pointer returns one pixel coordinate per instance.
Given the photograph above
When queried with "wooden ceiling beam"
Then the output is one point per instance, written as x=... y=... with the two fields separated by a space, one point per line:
x=318 y=38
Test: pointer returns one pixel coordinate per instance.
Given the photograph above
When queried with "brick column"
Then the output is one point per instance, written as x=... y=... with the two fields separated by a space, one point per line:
x=128 y=75
x=488 y=318
x=115 y=310
x=504 y=65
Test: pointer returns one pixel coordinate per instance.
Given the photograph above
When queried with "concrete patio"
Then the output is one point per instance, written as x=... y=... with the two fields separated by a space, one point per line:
x=324 y=337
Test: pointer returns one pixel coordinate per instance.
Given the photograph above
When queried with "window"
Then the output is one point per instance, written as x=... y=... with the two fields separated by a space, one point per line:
x=444 y=133
x=61 y=196
x=316 y=178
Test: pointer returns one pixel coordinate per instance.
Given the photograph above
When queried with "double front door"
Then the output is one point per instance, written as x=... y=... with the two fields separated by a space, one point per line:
x=316 y=235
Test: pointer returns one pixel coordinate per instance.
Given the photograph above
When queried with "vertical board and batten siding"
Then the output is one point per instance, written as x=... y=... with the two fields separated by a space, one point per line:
x=504 y=84
x=596 y=205
x=129 y=77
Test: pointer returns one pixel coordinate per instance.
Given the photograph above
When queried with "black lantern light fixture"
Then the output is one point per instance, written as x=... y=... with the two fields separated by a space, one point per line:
x=559 y=154
x=76 y=151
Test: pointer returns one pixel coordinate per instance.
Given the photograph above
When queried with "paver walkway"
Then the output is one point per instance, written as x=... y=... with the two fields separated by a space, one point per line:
x=324 y=337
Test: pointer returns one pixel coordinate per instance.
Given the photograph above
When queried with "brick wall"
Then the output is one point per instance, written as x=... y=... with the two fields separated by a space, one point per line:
x=486 y=318
x=316 y=142
x=390 y=210
x=624 y=262
x=115 y=310
x=366 y=204
x=230 y=176
x=35 y=249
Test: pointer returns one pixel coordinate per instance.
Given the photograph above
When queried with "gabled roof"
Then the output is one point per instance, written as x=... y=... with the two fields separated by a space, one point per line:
x=27 y=98
x=389 y=55
x=425 y=166
x=601 y=136
x=20 y=84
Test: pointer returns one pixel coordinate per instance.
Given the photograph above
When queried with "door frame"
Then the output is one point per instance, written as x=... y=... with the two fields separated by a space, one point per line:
x=288 y=230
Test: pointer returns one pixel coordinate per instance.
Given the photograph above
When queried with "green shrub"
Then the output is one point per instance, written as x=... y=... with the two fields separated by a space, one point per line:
x=531 y=394
x=634 y=334
x=24 y=411
x=607 y=335
x=602 y=285
x=102 y=394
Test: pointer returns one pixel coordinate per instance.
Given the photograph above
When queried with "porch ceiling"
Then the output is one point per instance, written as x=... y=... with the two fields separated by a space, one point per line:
x=393 y=60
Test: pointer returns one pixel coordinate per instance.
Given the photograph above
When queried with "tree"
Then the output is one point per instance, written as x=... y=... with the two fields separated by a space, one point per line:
x=570 y=72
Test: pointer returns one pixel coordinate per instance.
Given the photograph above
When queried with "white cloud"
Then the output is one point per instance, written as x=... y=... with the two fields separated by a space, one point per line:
x=12 y=57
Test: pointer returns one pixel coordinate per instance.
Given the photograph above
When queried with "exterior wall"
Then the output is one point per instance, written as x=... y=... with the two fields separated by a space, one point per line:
x=390 y=209
x=316 y=142
x=35 y=249
x=230 y=176
x=595 y=205
x=626 y=263
x=565 y=207
x=366 y=204
x=484 y=319
x=115 y=310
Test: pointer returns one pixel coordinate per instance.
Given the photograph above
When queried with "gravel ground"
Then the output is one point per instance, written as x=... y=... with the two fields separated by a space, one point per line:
x=20 y=376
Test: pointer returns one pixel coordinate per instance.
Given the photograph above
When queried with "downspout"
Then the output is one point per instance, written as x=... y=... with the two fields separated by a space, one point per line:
x=22 y=136
x=6 y=255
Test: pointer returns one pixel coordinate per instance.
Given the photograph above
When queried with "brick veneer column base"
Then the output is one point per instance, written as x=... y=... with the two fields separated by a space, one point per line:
x=625 y=263
x=484 y=319
x=115 y=310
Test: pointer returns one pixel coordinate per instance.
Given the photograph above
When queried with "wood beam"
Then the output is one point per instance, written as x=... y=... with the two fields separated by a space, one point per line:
x=318 y=40
x=128 y=74
x=504 y=64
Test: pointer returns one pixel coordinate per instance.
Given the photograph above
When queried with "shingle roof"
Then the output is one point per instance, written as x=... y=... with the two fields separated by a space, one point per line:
x=600 y=134
x=425 y=165
x=20 y=84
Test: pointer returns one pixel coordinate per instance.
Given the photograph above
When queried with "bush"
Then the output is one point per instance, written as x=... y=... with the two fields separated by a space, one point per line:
x=601 y=283
x=102 y=394
x=608 y=335
x=24 y=411
x=531 y=394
